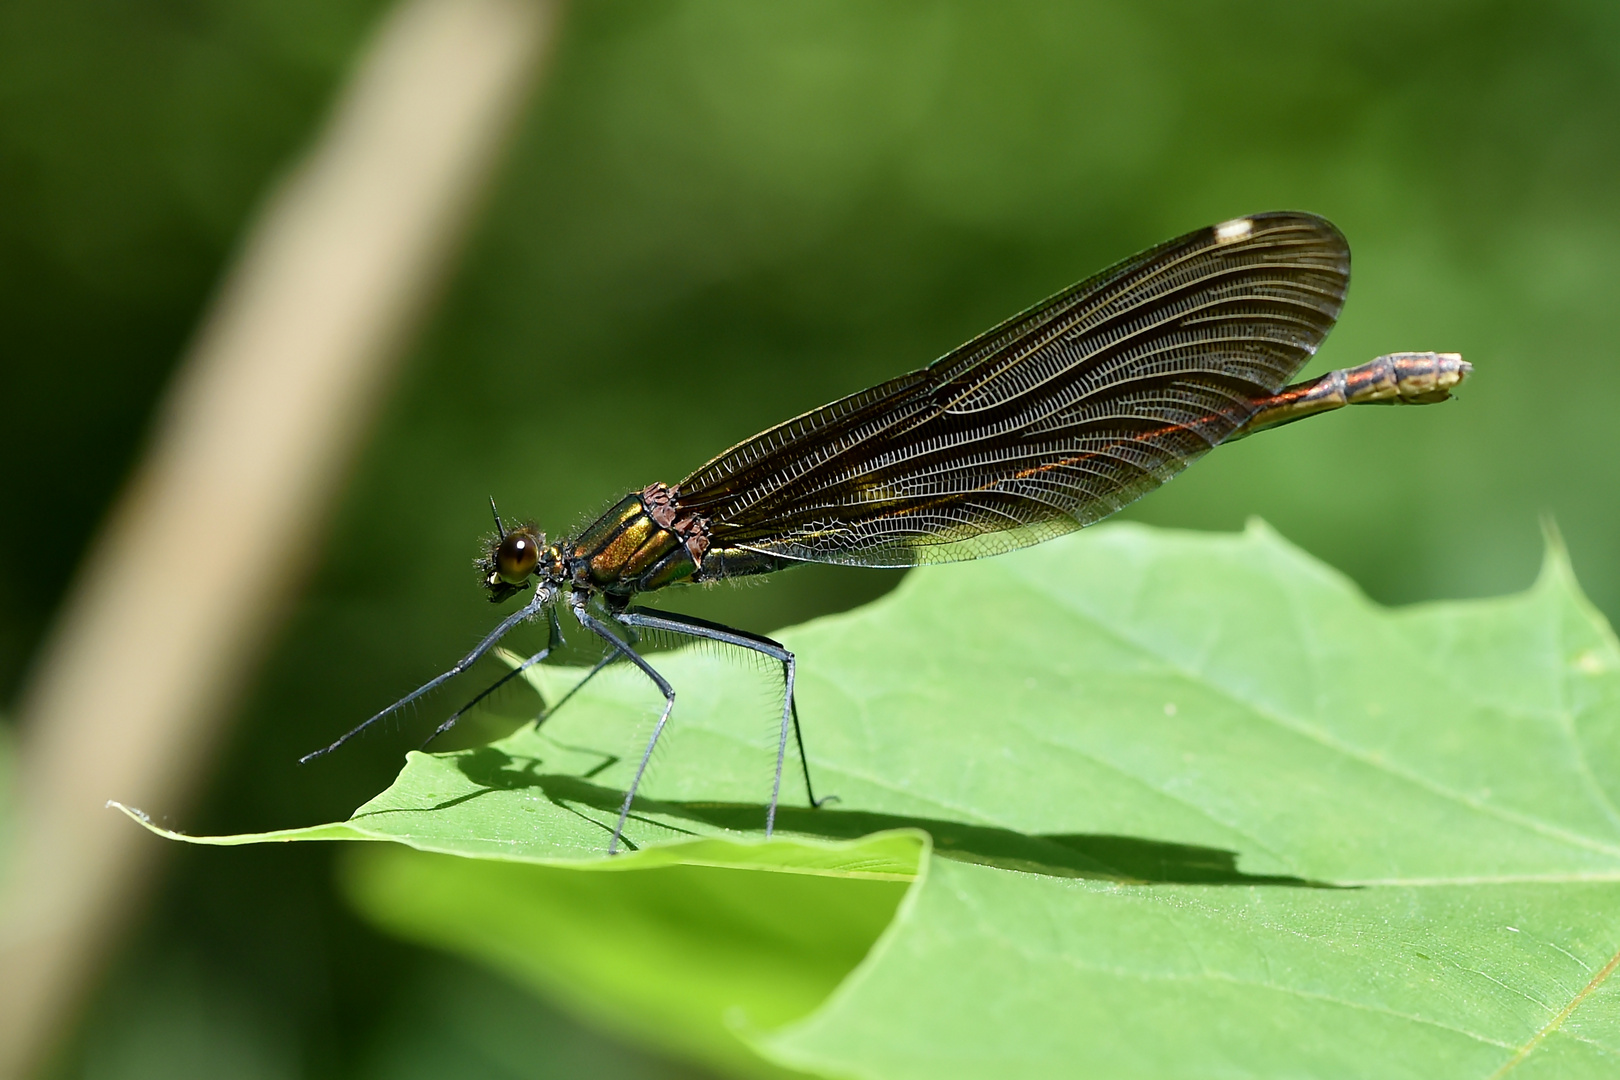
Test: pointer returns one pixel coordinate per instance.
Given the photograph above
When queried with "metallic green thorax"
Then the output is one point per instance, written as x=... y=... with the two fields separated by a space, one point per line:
x=627 y=551
x=646 y=542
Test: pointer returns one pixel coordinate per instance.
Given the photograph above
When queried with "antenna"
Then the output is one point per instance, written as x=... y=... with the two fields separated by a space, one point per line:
x=498 y=526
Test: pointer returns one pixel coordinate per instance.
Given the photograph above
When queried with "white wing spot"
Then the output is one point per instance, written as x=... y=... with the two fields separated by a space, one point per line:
x=1236 y=229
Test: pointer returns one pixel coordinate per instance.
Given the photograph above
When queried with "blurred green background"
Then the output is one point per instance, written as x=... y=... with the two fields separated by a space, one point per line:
x=717 y=215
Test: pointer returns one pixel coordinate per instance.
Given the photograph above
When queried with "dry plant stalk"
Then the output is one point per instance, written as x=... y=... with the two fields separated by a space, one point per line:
x=257 y=433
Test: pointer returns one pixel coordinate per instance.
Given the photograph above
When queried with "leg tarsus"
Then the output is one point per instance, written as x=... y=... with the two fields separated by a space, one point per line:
x=804 y=762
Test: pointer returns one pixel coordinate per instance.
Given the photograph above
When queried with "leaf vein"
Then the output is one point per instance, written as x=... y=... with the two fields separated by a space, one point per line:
x=991 y=930
x=1557 y=1021
x=1328 y=742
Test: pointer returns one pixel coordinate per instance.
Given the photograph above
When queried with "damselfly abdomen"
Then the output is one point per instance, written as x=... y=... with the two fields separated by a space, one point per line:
x=1045 y=424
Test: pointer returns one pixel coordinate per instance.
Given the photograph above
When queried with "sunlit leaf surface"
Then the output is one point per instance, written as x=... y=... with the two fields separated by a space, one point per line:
x=1196 y=807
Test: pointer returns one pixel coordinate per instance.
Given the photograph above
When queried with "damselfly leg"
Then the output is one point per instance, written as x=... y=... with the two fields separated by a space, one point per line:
x=601 y=630
x=689 y=626
x=554 y=642
x=528 y=611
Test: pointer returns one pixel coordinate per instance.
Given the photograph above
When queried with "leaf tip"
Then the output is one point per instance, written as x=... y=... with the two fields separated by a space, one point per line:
x=1262 y=533
x=1256 y=527
x=1555 y=565
x=143 y=819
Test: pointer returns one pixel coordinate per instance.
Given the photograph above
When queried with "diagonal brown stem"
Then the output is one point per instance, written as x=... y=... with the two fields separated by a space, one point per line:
x=257 y=430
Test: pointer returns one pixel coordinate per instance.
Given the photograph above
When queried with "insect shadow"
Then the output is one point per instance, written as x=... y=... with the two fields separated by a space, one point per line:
x=1125 y=859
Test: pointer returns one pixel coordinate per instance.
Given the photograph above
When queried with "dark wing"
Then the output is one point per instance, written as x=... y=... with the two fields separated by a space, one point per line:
x=1049 y=422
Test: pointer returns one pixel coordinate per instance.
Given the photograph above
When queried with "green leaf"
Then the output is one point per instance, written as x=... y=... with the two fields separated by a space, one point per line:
x=688 y=958
x=1197 y=807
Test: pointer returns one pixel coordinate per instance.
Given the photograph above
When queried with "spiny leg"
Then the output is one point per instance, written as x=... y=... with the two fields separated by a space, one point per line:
x=546 y=710
x=576 y=688
x=597 y=627
x=554 y=641
x=690 y=626
x=505 y=627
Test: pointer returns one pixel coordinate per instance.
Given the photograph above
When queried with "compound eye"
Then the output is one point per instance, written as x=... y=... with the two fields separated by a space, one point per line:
x=517 y=557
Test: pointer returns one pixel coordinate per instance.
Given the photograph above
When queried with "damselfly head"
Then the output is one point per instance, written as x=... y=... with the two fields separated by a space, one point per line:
x=512 y=558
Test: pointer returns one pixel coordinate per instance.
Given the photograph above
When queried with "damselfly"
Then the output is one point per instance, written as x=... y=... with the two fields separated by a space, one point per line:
x=1045 y=424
